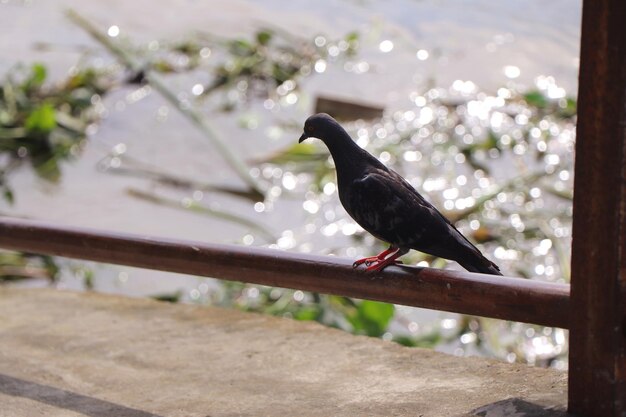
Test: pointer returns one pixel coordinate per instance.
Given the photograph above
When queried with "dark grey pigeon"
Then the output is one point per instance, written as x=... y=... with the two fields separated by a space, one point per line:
x=388 y=207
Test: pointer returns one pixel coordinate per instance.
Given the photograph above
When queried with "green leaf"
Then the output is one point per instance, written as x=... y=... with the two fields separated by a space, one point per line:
x=263 y=37
x=47 y=168
x=37 y=76
x=42 y=119
x=491 y=141
x=536 y=99
x=307 y=313
x=241 y=47
x=88 y=279
x=173 y=297
x=405 y=341
x=352 y=37
x=51 y=266
x=569 y=110
x=297 y=152
x=372 y=317
x=375 y=311
x=8 y=195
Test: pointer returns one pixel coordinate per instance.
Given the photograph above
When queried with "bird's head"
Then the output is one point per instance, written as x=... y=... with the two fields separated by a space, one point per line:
x=321 y=126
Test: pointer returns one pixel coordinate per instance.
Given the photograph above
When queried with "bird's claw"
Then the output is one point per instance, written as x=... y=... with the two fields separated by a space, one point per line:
x=366 y=261
x=375 y=264
x=379 y=266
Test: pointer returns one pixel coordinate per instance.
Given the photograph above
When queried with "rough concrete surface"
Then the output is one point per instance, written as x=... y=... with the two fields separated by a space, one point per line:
x=84 y=354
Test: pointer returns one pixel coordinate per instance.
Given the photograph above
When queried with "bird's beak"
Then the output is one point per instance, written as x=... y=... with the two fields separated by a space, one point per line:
x=303 y=137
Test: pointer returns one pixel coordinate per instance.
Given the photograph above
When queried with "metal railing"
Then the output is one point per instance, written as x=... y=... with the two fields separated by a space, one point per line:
x=597 y=354
x=476 y=294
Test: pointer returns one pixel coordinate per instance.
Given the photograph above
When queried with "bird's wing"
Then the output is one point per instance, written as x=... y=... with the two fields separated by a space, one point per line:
x=383 y=207
x=469 y=256
x=388 y=207
x=410 y=189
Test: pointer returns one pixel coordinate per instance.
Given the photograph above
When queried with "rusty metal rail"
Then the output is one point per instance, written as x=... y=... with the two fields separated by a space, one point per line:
x=477 y=294
x=597 y=361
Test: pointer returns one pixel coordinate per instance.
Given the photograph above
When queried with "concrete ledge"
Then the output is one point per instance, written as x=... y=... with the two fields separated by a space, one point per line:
x=78 y=354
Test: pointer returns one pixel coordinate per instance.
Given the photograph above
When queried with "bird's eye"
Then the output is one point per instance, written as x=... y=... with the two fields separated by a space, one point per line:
x=309 y=128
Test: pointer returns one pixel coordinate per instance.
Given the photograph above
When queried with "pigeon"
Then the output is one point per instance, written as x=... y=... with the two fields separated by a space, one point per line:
x=387 y=206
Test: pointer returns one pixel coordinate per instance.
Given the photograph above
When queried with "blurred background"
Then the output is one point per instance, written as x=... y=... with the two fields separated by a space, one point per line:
x=180 y=119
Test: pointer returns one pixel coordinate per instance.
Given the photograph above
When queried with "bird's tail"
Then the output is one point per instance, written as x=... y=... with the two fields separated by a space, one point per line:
x=483 y=266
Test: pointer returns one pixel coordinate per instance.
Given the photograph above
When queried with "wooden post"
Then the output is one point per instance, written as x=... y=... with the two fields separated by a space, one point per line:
x=597 y=364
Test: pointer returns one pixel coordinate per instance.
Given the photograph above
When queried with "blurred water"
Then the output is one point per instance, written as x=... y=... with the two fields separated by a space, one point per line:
x=408 y=45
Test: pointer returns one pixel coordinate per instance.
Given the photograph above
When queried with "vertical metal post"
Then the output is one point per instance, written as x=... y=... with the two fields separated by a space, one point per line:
x=597 y=375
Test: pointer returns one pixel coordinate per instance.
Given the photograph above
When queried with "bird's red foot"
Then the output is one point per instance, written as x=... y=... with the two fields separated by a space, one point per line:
x=374 y=259
x=377 y=263
x=367 y=261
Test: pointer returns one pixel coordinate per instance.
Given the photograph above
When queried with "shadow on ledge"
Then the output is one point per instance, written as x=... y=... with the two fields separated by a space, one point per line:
x=68 y=400
x=518 y=408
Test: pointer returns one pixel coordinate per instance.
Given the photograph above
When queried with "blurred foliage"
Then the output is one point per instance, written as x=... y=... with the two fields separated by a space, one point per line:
x=17 y=266
x=173 y=297
x=258 y=63
x=365 y=317
x=268 y=65
x=362 y=317
x=40 y=126
x=271 y=65
x=371 y=317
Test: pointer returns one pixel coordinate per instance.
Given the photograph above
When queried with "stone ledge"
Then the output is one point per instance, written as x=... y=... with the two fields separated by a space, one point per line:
x=77 y=354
